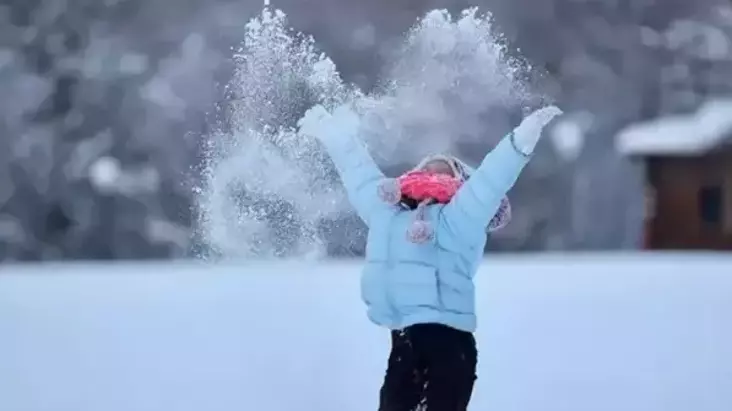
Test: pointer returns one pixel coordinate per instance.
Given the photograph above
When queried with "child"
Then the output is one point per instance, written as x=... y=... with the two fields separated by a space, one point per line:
x=423 y=250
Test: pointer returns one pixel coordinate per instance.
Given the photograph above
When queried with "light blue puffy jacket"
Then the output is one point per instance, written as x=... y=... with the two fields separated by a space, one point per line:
x=405 y=283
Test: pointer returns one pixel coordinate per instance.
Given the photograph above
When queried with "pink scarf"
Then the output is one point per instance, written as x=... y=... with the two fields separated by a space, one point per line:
x=425 y=188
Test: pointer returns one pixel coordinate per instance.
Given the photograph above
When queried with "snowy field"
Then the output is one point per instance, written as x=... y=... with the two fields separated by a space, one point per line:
x=556 y=333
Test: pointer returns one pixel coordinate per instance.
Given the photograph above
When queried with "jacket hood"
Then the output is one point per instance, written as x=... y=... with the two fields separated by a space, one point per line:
x=459 y=168
x=463 y=172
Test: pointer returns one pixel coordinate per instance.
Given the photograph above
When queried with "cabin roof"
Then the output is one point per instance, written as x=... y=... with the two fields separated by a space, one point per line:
x=679 y=135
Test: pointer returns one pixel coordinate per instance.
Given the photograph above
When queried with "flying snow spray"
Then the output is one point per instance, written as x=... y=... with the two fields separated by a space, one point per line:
x=268 y=190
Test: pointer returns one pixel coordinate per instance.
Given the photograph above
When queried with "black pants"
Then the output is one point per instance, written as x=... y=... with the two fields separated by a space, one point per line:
x=431 y=367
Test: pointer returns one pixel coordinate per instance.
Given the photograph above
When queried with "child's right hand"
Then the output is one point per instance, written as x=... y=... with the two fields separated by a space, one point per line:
x=321 y=124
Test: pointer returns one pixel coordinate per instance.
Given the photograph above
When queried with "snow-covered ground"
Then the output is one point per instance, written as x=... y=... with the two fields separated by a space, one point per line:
x=557 y=333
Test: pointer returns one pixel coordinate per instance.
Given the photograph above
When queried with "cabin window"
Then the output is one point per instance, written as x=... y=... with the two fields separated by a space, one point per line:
x=711 y=207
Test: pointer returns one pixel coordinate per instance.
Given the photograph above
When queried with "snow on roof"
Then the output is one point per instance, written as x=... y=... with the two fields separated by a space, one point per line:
x=684 y=134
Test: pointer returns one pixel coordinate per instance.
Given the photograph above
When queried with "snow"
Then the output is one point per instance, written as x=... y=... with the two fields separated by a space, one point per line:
x=685 y=134
x=698 y=39
x=636 y=332
x=105 y=172
x=447 y=74
x=568 y=134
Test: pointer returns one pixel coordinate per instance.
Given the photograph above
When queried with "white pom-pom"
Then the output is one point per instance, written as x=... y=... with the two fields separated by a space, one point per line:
x=420 y=232
x=389 y=191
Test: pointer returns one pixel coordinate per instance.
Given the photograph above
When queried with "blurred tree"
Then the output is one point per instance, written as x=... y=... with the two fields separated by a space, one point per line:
x=104 y=105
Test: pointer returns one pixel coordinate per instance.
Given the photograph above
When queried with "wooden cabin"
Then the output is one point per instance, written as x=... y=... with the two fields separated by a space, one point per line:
x=688 y=185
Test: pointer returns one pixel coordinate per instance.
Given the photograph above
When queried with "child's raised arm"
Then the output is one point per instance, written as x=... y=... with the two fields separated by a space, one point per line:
x=467 y=215
x=360 y=174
